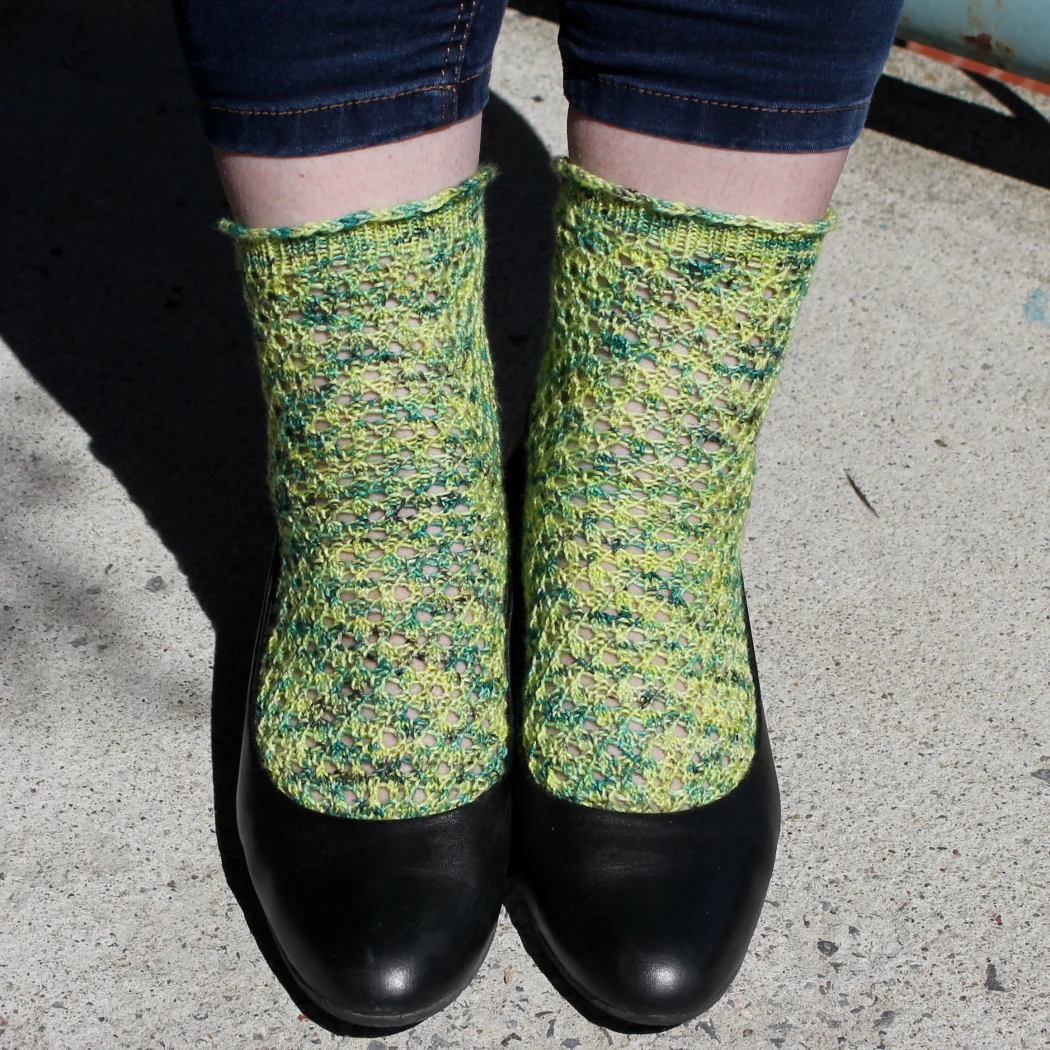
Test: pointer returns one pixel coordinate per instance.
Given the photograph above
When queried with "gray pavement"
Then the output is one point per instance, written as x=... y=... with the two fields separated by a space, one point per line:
x=904 y=649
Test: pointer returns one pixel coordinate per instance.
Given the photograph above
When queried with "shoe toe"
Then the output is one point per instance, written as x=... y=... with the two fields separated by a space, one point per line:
x=651 y=951
x=660 y=989
x=381 y=922
x=649 y=916
x=378 y=946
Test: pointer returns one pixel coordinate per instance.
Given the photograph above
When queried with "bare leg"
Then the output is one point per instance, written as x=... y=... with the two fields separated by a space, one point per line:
x=285 y=191
x=792 y=187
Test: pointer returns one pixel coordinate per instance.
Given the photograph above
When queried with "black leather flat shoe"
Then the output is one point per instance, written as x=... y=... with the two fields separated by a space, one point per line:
x=381 y=922
x=648 y=916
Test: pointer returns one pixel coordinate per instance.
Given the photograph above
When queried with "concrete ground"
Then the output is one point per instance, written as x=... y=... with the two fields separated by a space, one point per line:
x=905 y=648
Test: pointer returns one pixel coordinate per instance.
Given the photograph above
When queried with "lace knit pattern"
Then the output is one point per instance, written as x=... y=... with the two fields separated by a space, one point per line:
x=383 y=686
x=667 y=331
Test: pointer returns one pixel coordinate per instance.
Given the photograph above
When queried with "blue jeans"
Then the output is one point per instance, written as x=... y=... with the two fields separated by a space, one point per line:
x=306 y=77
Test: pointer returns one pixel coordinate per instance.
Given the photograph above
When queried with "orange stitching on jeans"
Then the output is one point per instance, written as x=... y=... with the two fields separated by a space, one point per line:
x=340 y=105
x=725 y=105
x=463 y=39
x=448 y=56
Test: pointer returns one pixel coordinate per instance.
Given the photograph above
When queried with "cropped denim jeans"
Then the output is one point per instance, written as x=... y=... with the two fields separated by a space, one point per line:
x=308 y=77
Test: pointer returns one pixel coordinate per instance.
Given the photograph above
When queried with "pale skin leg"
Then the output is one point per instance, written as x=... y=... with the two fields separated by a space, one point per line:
x=792 y=187
x=287 y=191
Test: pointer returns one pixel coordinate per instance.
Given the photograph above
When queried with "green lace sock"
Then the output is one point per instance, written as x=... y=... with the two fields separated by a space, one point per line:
x=383 y=685
x=667 y=331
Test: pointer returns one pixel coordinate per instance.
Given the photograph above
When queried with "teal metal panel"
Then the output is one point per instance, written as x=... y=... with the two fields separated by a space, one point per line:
x=1010 y=34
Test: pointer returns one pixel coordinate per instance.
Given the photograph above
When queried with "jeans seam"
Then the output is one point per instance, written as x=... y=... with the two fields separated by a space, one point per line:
x=448 y=58
x=462 y=54
x=724 y=105
x=339 y=105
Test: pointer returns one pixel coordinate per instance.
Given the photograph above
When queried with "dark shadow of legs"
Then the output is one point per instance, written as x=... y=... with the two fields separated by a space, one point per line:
x=521 y=240
x=547 y=9
x=122 y=301
x=1017 y=145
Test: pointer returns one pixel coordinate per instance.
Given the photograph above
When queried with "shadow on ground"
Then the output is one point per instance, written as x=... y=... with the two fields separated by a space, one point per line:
x=120 y=298
x=1017 y=145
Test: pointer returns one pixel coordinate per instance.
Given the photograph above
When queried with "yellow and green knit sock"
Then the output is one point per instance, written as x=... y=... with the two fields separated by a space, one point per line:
x=667 y=331
x=383 y=686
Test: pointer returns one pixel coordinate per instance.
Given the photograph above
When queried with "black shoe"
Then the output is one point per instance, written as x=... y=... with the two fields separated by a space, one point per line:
x=648 y=916
x=381 y=923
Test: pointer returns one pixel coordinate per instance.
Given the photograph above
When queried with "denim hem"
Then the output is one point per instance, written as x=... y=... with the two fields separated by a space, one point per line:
x=710 y=122
x=350 y=124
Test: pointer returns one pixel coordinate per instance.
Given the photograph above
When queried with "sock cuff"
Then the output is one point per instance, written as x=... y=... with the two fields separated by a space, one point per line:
x=453 y=214
x=590 y=203
x=473 y=186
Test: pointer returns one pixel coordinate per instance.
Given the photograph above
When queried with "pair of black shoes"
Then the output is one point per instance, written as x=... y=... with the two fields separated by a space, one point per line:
x=384 y=922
